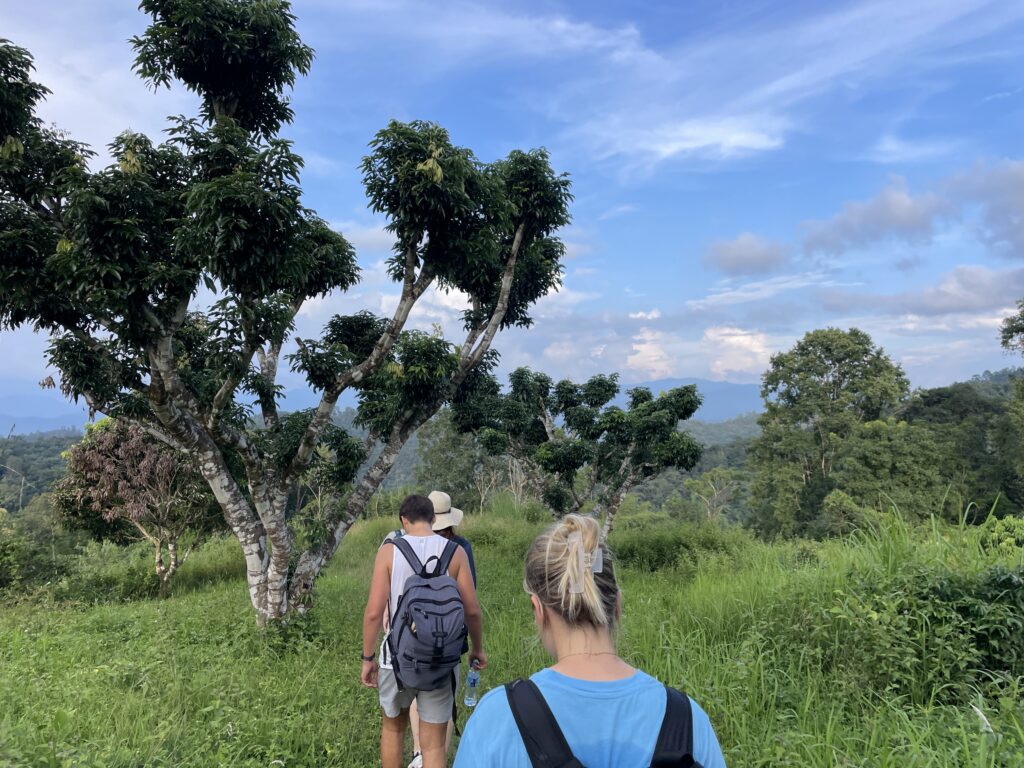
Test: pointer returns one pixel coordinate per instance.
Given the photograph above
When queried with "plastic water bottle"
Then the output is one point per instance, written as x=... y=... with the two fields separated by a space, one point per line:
x=472 y=686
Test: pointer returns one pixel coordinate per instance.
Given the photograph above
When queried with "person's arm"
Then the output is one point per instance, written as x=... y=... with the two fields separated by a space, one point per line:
x=373 y=616
x=470 y=605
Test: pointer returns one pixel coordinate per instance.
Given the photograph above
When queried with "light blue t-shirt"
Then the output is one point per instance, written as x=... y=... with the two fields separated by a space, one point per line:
x=607 y=724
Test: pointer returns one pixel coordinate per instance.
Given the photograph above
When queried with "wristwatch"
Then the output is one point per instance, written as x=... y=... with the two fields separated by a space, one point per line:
x=371 y=657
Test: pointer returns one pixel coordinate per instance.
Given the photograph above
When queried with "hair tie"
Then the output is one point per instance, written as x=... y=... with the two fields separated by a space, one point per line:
x=588 y=561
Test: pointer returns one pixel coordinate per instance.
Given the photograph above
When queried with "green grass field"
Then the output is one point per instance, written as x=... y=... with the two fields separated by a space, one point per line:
x=857 y=653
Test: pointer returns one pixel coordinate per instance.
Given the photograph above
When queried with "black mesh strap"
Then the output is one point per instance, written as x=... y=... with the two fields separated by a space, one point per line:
x=675 y=739
x=407 y=550
x=544 y=741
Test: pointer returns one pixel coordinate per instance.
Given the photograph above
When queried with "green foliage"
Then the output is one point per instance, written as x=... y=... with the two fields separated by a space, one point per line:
x=816 y=396
x=926 y=633
x=109 y=261
x=31 y=465
x=979 y=436
x=11 y=552
x=882 y=464
x=104 y=572
x=654 y=543
x=239 y=56
x=458 y=464
x=776 y=642
x=585 y=450
x=1004 y=535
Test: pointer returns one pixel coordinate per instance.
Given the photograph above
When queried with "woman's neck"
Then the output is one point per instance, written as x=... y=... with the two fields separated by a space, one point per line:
x=588 y=655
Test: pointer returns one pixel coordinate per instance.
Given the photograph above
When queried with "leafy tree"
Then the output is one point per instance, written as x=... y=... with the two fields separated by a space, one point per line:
x=890 y=463
x=11 y=552
x=123 y=483
x=815 y=396
x=456 y=462
x=584 y=450
x=978 y=439
x=716 y=490
x=110 y=263
x=30 y=465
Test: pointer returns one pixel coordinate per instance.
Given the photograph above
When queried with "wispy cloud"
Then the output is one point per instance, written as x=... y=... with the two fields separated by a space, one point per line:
x=894 y=150
x=762 y=289
x=966 y=289
x=618 y=210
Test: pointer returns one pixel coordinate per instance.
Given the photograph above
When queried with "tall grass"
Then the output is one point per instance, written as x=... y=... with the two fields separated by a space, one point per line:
x=764 y=636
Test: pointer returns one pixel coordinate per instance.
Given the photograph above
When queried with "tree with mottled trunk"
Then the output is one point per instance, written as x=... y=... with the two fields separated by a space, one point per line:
x=588 y=452
x=111 y=262
x=123 y=484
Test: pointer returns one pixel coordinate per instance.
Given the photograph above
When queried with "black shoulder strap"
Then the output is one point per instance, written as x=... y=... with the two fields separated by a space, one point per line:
x=410 y=556
x=674 y=748
x=544 y=741
x=446 y=557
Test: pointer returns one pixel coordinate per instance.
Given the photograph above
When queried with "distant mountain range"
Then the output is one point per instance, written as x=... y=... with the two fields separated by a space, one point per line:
x=47 y=410
x=722 y=400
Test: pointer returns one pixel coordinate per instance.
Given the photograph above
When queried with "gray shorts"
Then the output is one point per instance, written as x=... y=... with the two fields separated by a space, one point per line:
x=433 y=706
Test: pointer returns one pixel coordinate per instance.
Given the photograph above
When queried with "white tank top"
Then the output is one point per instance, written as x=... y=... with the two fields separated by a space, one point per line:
x=425 y=548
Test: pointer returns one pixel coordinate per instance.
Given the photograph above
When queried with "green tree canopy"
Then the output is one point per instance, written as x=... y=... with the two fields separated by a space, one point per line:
x=582 y=449
x=816 y=395
x=110 y=263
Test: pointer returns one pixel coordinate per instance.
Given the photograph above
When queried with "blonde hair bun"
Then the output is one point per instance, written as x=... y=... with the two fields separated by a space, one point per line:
x=570 y=571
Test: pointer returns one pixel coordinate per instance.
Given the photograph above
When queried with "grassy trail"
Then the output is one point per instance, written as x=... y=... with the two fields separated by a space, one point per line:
x=189 y=681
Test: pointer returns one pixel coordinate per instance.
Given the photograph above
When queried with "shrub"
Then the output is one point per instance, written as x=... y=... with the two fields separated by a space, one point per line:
x=104 y=572
x=1004 y=535
x=927 y=633
x=665 y=545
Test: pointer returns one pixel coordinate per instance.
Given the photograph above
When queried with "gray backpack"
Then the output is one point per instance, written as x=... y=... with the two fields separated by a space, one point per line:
x=428 y=626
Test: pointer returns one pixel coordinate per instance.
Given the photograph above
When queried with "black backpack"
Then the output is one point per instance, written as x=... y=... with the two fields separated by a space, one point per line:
x=546 y=745
x=428 y=626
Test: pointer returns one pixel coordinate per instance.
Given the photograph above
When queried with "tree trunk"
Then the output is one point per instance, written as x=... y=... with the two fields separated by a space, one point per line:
x=313 y=560
x=161 y=571
x=613 y=505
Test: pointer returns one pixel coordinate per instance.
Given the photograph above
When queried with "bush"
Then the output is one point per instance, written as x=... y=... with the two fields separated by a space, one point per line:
x=1004 y=535
x=927 y=633
x=666 y=545
x=104 y=572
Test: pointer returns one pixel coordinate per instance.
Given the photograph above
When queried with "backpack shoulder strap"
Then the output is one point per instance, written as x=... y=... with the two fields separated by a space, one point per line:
x=544 y=741
x=674 y=748
x=446 y=557
x=404 y=547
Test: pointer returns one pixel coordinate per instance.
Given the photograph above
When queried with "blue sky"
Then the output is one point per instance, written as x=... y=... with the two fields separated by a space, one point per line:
x=744 y=171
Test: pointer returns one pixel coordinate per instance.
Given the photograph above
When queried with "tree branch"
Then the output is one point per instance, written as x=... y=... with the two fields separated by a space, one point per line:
x=412 y=289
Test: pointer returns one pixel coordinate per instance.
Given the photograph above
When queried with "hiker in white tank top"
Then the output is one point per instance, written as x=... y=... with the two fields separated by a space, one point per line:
x=425 y=548
x=390 y=572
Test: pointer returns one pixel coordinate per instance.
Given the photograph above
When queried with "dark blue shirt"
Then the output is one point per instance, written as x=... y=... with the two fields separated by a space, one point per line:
x=469 y=553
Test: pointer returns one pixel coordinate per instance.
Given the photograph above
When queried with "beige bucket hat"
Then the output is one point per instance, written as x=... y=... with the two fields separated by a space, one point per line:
x=445 y=515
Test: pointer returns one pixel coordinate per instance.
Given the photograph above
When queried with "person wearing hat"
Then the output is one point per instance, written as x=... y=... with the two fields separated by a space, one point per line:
x=446 y=519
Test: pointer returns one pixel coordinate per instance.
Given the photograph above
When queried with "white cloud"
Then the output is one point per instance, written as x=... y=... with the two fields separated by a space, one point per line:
x=890 y=149
x=618 y=210
x=366 y=238
x=649 y=358
x=736 y=352
x=999 y=191
x=746 y=254
x=654 y=314
x=892 y=213
x=639 y=101
x=560 y=302
x=761 y=290
x=965 y=289
x=82 y=55
x=718 y=137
